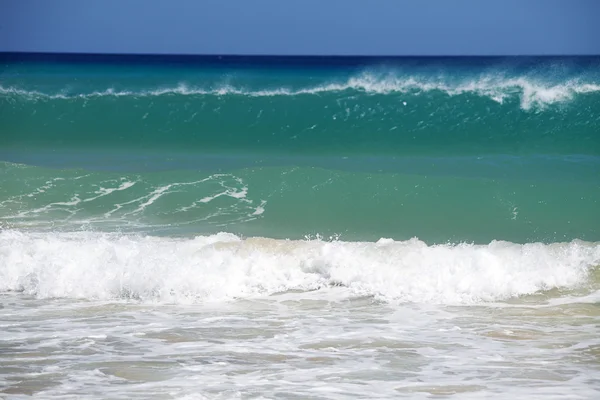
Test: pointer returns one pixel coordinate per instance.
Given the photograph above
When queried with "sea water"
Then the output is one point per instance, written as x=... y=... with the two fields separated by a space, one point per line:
x=300 y=228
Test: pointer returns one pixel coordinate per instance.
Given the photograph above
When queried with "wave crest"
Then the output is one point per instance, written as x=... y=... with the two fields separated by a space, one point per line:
x=531 y=93
x=224 y=266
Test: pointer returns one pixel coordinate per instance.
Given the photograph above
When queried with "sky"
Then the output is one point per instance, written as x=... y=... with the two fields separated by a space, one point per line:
x=302 y=27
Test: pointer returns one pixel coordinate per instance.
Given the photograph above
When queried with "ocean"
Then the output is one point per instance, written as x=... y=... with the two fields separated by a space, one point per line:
x=299 y=228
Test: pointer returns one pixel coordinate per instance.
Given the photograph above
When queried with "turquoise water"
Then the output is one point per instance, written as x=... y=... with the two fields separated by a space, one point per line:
x=294 y=228
x=444 y=150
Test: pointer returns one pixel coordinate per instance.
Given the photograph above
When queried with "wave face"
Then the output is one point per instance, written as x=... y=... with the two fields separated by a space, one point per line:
x=447 y=151
x=222 y=266
x=404 y=109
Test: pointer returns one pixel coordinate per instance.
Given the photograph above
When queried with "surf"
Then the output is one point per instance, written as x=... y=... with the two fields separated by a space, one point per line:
x=226 y=267
x=532 y=92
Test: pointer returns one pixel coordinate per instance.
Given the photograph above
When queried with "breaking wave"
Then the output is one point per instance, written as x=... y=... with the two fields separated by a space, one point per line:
x=532 y=93
x=224 y=267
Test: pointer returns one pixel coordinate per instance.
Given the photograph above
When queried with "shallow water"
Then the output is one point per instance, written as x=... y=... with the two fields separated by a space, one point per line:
x=319 y=344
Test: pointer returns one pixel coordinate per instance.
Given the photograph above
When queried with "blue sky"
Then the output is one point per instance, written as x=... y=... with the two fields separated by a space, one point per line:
x=307 y=27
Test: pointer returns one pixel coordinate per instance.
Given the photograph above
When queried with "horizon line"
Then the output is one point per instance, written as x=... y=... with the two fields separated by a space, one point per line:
x=299 y=55
x=274 y=61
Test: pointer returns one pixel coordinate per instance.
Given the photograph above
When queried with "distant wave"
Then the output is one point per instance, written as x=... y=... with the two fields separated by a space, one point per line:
x=531 y=93
x=223 y=267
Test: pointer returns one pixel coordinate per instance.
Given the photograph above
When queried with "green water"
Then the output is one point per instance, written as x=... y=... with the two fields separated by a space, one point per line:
x=446 y=153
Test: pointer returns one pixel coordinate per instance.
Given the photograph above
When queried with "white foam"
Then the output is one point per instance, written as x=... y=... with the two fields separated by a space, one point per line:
x=102 y=191
x=531 y=92
x=135 y=210
x=259 y=210
x=223 y=267
x=233 y=192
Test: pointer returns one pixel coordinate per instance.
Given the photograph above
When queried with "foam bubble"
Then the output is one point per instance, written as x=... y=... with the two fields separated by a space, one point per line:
x=224 y=266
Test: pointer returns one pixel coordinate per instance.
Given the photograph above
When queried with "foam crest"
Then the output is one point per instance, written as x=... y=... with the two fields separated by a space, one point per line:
x=224 y=266
x=531 y=92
